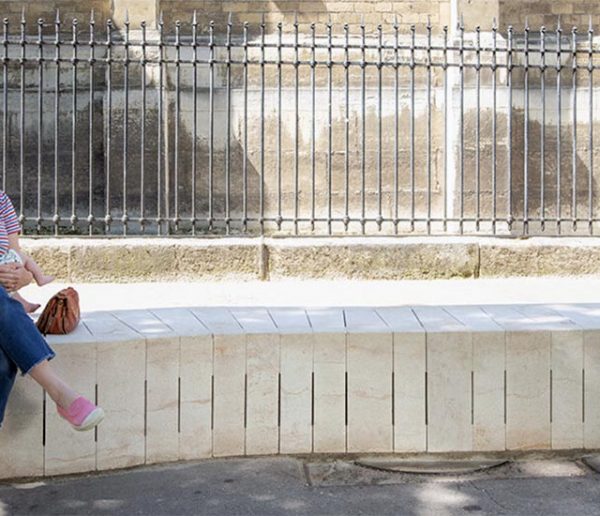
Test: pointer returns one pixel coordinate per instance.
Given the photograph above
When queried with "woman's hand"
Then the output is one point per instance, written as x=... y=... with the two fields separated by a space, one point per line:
x=14 y=276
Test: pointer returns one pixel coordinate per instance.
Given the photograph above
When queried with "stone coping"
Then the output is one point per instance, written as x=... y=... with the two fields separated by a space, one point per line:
x=193 y=321
x=369 y=258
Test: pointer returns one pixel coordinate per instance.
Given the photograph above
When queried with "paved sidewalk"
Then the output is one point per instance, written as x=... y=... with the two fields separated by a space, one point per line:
x=328 y=293
x=274 y=486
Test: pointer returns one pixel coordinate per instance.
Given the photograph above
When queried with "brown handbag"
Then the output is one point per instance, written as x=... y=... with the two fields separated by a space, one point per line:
x=61 y=314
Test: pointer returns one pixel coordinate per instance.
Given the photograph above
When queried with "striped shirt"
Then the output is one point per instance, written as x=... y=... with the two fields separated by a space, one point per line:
x=9 y=223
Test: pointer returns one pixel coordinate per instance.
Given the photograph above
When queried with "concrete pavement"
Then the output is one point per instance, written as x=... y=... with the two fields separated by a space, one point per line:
x=273 y=486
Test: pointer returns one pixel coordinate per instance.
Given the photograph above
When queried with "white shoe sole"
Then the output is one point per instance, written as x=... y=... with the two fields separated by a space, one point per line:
x=93 y=420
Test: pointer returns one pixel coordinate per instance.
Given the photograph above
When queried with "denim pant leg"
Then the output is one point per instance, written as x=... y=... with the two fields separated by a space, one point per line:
x=21 y=345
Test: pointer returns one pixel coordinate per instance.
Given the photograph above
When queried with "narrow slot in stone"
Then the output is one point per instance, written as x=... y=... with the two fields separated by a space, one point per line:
x=245 y=400
x=393 y=400
x=426 y=401
x=583 y=395
x=96 y=401
x=346 y=399
x=551 y=396
x=279 y=399
x=44 y=419
x=312 y=399
x=472 y=397
x=179 y=405
x=505 y=391
x=212 y=402
x=145 y=408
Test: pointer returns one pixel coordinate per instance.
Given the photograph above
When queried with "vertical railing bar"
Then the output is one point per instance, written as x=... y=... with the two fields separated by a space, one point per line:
x=347 y=127
x=363 y=165
x=245 y=149
x=412 y=127
x=125 y=217
x=159 y=136
x=92 y=60
x=429 y=128
x=143 y=131
x=380 y=127
x=211 y=121
x=446 y=133
x=396 y=123
x=228 y=132
x=56 y=217
x=591 y=128
x=329 y=128
x=478 y=130
x=5 y=102
x=22 y=42
x=279 y=122
x=262 y=128
x=176 y=218
x=296 y=125
x=558 y=126
x=194 y=149
x=462 y=126
x=313 y=139
x=543 y=130
x=74 y=129
x=526 y=135
x=574 y=149
x=494 y=124
x=40 y=122
x=509 y=69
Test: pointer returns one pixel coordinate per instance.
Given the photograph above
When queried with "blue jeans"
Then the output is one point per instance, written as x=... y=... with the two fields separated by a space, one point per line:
x=21 y=345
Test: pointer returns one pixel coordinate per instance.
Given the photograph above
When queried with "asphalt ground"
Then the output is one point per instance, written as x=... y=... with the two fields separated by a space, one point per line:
x=312 y=486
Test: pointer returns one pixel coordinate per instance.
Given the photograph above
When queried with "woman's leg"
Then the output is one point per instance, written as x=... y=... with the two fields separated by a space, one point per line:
x=8 y=373
x=56 y=388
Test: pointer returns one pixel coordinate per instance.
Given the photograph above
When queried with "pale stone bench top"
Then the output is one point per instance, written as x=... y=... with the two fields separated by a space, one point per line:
x=174 y=322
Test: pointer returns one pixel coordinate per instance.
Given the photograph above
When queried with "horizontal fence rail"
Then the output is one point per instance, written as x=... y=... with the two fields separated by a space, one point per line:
x=303 y=130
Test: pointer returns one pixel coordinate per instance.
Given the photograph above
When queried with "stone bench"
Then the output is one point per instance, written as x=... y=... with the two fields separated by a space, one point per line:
x=181 y=384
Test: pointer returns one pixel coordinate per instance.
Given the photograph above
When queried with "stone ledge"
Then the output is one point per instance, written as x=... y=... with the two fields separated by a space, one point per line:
x=138 y=259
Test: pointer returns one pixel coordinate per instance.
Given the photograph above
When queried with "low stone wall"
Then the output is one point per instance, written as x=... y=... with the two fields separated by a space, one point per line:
x=141 y=260
x=218 y=382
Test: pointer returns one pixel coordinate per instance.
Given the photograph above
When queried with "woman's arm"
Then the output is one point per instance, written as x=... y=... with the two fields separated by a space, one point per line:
x=13 y=242
x=14 y=276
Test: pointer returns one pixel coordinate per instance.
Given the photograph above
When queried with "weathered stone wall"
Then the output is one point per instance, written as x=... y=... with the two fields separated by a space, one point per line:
x=546 y=12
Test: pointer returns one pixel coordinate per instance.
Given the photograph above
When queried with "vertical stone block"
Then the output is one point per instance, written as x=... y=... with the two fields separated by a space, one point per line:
x=567 y=389
x=66 y=450
x=121 y=393
x=329 y=429
x=21 y=446
x=449 y=365
x=162 y=400
x=262 y=363
x=489 y=362
x=370 y=392
x=196 y=371
x=295 y=432
x=410 y=361
x=229 y=394
x=591 y=394
x=528 y=390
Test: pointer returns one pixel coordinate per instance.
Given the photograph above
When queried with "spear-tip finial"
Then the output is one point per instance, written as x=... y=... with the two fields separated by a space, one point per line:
x=161 y=20
x=494 y=24
x=195 y=17
x=23 y=21
x=230 y=19
x=57 y=17
x=296 y=18
x=126 y=17
x=92 y=17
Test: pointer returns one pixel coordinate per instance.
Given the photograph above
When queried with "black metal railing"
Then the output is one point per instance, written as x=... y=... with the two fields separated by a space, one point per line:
x=307 y=130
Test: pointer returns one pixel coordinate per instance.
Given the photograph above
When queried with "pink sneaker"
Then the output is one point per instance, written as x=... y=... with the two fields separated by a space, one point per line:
x=82 y=414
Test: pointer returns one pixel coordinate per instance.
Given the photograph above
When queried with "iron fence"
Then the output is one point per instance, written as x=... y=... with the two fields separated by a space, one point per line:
x=303 y=130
